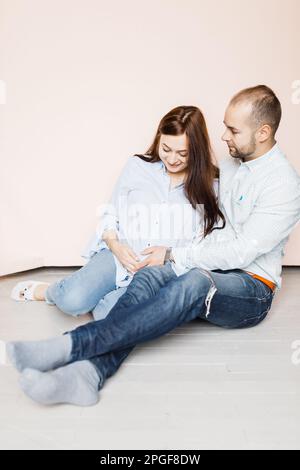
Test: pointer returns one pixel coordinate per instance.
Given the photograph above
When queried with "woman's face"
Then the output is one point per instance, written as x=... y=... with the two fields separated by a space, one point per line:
x=173 y=152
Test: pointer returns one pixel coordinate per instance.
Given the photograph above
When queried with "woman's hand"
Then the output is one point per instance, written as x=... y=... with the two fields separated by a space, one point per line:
x=125 y=255
x=156 y=256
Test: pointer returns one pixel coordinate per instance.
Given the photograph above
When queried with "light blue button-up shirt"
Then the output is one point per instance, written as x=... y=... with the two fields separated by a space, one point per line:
x=145 y=211
x=261 y=202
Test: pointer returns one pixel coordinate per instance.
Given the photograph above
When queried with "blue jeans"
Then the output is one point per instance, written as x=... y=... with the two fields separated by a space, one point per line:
x=91 y=288
x=157 y=301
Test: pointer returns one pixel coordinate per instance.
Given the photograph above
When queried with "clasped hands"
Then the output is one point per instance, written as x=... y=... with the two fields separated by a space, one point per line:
x=130 y=260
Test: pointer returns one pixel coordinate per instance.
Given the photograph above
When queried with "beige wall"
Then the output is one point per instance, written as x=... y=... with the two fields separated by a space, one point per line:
x=87 y=82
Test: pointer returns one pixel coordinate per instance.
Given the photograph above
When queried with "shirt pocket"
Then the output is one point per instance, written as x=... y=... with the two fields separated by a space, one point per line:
x=242 y=206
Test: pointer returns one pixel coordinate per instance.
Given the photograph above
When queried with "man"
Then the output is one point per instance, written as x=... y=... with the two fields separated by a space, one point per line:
x=228 y=278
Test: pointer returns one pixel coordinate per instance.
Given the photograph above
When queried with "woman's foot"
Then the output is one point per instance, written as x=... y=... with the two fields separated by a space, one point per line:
x=29 y=290
x=75 y=383
x=39 y=291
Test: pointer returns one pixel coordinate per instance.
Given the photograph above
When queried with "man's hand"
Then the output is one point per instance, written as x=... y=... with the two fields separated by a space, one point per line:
x=156 y=256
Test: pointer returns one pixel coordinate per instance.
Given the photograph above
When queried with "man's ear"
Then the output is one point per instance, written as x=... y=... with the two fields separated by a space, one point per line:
x=264 y=133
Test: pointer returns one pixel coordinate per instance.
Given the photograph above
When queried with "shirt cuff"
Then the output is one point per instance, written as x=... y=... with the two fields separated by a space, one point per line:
x=180 y=257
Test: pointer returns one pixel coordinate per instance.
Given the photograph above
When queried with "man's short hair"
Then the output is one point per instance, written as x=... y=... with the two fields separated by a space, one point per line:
x=266 y=107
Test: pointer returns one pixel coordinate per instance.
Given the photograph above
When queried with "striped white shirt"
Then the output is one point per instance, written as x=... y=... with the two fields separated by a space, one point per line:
x=261 y=203
x=143 y=186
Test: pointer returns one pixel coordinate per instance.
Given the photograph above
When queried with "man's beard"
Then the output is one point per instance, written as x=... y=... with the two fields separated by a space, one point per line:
x=244 y=153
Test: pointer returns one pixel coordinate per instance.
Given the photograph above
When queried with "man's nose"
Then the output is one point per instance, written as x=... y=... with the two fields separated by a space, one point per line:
x=225 y=136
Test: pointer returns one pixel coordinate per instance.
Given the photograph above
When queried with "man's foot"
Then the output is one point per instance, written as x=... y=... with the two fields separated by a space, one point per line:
x=40 y=355
x=75 y=383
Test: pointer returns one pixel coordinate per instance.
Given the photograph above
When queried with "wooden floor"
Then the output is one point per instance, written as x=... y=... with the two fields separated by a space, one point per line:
x=200 y=387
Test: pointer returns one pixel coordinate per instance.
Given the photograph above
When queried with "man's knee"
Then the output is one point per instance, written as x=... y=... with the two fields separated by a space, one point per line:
x=148 y=273
x=197 y=279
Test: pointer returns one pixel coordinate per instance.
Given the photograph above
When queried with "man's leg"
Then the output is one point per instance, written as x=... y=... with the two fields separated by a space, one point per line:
x=78 y=383
x=238 y=301
x=130 y=322
x=52 y=353
x=231 y=299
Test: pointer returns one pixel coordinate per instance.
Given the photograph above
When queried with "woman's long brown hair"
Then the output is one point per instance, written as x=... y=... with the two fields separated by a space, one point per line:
x=201 y=170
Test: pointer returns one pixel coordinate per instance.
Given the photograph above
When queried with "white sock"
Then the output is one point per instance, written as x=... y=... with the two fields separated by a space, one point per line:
x=76 y=383
x=40 y=355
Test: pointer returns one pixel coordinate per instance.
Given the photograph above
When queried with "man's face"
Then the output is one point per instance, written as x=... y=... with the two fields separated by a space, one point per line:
x=240 y=132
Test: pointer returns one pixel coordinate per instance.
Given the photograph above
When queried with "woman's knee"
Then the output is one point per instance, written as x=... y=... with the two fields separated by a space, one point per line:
x=70 y=297
x=73 y=303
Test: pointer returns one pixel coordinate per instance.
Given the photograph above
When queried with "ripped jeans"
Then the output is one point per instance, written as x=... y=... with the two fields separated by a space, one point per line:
x=91 y=288
x=157 y=301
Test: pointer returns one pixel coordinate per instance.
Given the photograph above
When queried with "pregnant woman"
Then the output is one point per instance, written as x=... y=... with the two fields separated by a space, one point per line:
x=162 y=198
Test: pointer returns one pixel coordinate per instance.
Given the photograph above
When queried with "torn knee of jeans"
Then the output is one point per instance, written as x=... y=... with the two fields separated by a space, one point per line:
x=209 y=298
x=212 y=290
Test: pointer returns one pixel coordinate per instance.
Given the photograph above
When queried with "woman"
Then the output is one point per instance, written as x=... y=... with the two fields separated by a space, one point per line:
x=171 y=181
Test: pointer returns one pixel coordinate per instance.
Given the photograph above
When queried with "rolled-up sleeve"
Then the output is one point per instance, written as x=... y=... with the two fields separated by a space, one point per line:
x=109 y=213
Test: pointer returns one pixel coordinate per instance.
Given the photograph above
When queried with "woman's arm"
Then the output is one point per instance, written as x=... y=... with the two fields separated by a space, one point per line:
x=123 y=252
x=108 y=229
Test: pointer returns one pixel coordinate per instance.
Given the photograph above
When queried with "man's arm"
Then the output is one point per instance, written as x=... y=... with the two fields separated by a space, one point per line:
x=275 y=214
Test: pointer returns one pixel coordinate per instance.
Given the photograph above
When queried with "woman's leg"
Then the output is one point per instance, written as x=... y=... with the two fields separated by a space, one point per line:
x=105 y=305
x=82 y=290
